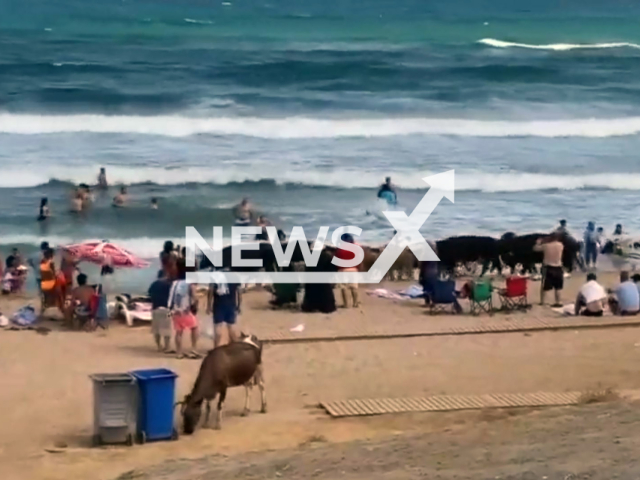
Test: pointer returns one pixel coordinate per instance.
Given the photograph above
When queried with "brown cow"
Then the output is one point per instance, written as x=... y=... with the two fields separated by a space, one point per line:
x=231 y=365
x=402 y=269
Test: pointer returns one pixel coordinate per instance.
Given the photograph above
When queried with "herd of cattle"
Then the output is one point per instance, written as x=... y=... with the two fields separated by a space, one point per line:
x=509 y=251
x=493 y=254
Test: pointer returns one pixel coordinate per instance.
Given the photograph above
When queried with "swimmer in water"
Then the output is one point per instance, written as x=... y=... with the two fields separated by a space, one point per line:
x=388 y=193
x=77 y=201
x=243 y=213
x=120 y=199
x=263 y=222
x=44 y=212
x=154 y=203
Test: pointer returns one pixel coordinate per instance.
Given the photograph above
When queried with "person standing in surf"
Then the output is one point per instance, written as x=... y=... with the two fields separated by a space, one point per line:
x=44 y=212
x=243 y=213
x=102 y=179
x=388 y=193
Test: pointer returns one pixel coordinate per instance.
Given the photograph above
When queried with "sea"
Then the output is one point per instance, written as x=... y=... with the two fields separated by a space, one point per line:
x=305 y=107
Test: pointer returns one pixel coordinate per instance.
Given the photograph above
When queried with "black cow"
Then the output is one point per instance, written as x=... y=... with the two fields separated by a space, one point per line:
x=518 y=249
x=468 y=248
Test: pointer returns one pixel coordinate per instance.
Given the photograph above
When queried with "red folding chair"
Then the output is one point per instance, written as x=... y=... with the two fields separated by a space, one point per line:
x=514 y=296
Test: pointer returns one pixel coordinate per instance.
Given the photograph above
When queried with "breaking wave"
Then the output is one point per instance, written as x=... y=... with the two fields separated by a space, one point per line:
x=559 y=47
x=263 y=177
x=302 y=127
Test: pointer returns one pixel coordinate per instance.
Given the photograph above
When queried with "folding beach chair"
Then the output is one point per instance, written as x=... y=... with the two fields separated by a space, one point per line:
x=443 y=297
x=285 y=295
x=481 y=298
x=514 y=295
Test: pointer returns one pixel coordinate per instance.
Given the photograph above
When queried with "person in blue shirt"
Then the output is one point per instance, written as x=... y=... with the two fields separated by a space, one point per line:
x=387 y=192
x=161 y=325
x=590 y=245
x=224 y=301
x=626 y=299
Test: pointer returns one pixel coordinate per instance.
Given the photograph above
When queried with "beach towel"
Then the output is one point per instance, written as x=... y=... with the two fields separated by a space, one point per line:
x=24 y=316
x=568 y=310
x=414 y=291
x=384 y=293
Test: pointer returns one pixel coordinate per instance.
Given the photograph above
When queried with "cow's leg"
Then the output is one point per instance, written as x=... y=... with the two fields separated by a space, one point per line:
x=263 y=393
x=247 y=397
x=223 y=395
x=207 y=413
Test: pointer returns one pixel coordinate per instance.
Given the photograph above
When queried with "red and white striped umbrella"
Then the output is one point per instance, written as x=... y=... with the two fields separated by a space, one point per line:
x=105 y=253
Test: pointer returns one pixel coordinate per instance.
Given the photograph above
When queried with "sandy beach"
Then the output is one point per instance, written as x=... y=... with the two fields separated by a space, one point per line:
x=47 y=398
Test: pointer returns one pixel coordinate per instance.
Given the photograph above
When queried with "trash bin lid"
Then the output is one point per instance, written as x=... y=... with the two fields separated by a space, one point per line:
x=112 y=378
x=153 y=374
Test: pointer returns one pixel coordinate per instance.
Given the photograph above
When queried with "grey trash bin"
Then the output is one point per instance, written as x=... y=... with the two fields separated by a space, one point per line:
x=115 y=408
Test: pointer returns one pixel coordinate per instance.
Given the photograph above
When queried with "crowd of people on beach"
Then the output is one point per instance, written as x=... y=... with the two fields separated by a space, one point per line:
x=175 y=304
x=623 y=299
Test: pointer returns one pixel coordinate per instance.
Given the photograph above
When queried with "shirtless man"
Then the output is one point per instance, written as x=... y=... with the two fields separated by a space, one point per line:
x=77 y=201
x=80 y=305
x=263 y=222
x=243 y=213
x=552 y=271
x=121 y=198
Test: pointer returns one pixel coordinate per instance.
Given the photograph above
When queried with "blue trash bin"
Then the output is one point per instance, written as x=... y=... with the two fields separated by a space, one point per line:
x=156 y=397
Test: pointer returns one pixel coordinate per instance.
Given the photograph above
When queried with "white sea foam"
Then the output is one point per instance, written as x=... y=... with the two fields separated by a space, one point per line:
x=492 y=42
x=301 y=127
x=199 y=22
x=342 y=178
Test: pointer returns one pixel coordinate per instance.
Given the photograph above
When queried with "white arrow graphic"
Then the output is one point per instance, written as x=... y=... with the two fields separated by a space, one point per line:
x=407 y=235
x=407 y=228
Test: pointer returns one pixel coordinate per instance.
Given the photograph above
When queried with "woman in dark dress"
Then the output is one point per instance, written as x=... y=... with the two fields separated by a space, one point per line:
x=318 y=297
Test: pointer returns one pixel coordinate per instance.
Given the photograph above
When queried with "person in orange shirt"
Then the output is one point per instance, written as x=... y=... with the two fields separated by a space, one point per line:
x=49 y=283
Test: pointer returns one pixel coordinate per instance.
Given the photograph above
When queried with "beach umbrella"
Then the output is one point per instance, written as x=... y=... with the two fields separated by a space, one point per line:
x=105 y=253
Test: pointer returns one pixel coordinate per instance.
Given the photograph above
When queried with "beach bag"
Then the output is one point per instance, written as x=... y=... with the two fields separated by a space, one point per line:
x=25 y=316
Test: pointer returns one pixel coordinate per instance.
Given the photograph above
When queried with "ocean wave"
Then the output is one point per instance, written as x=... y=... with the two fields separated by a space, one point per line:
x=74 y=64
x=301 y=127
x=199 y=22
x=519 y=182
x=264 y=177
x=559 y=47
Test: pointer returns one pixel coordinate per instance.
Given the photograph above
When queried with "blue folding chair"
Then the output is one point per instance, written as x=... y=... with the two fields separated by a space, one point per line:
x=443 y=297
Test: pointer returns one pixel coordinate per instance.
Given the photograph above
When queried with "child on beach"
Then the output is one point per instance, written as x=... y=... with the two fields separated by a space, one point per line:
x=183 y=306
